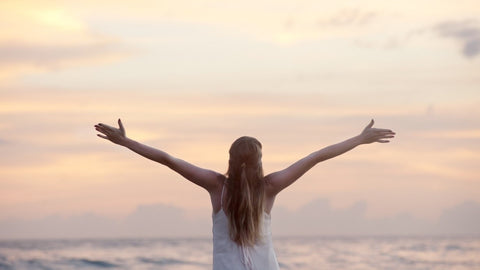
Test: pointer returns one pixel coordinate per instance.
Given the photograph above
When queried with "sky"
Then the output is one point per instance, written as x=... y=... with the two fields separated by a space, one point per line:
x=189 y=77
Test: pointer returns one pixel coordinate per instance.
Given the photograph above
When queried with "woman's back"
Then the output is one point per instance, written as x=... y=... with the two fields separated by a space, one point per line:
x=229 y=255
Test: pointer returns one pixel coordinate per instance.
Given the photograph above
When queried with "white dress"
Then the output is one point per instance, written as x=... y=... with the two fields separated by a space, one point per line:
x=227 y=255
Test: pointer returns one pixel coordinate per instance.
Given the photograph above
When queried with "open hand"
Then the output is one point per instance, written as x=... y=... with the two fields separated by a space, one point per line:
x=115 y=135
x=370 y=135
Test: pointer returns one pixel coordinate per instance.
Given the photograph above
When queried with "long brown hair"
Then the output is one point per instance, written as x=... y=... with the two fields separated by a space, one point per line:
x=245 y=188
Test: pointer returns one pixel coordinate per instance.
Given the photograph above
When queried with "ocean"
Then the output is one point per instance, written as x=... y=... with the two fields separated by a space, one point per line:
x=300 y=253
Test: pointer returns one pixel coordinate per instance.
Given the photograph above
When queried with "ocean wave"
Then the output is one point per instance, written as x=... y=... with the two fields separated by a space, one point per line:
x=5 y=266
x=166 y=261
x=454 y=247
x=89 y=262
x=33 y=264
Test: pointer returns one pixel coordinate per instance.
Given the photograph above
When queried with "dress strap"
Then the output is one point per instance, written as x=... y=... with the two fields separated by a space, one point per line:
x=223 y=189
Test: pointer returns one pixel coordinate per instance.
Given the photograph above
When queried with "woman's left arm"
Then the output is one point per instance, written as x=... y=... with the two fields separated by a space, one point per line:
x=278 y=181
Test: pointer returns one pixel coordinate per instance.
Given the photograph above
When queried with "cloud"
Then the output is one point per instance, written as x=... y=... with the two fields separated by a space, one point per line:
x=54 y=56
x=464 y=217
x=280 y=23
x=349 y=16
x=467 y=33
x=36 y=37
x=149 y=220
x=146 y=221
x=319 y=218
x=315 y=218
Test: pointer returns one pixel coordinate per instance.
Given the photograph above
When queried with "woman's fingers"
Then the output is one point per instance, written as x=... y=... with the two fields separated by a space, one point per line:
x=383 y=130
x=120 y=125
x=100 y=129
x=371 y=123
x=383 y=138
x=381 y=135
x=385 y=135
x=105 y=128
x=110 y=133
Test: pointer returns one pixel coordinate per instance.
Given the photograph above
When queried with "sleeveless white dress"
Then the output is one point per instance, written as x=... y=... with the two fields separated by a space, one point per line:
x=227 y=255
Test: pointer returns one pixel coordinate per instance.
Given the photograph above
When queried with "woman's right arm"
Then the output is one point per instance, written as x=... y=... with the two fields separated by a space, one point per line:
x=278 y=181
x=205 y=178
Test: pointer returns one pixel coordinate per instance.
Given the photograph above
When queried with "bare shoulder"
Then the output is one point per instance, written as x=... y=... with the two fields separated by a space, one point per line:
x=216 y=192
x=218 y=183
x=271 y=186
x=270 y=194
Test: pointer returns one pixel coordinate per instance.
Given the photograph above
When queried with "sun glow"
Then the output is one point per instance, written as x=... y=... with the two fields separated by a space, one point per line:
x=58 y=18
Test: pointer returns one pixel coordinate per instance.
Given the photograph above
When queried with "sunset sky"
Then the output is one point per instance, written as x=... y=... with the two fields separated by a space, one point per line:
x=189 y=77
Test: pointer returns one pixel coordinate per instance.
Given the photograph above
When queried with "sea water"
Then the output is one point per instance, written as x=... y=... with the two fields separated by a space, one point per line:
x=302 y=253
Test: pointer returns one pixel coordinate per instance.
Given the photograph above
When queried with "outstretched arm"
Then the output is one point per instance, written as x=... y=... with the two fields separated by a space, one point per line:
x=205 y=178
x=277 y=181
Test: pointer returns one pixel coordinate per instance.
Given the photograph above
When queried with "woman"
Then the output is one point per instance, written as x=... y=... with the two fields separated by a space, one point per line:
x=243 y=198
